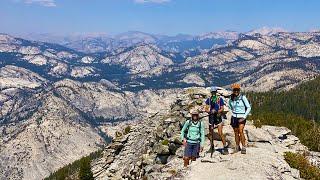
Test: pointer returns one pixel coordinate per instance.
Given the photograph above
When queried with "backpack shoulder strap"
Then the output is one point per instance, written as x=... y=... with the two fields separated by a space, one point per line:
x=241 y=97
x=188 y=125
x=220 y=102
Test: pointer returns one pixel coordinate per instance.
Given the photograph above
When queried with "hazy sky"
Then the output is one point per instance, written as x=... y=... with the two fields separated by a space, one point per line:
x=156 y=16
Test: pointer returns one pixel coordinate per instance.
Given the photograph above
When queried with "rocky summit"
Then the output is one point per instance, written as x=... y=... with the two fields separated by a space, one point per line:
x=151 y=149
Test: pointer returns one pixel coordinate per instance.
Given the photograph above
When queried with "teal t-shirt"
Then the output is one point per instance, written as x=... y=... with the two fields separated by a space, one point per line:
x=194 y=136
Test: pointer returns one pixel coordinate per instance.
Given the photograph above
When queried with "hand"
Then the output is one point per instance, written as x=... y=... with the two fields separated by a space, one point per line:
x=220 y=111
x=207 y=109
x=184 y=142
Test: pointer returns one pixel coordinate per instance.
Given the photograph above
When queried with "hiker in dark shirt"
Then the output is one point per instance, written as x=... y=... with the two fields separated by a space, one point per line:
x=215 y=108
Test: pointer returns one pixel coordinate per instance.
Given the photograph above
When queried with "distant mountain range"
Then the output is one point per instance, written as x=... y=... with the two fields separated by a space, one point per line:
x=101 y=42
x=92 y=43
x=145 y=60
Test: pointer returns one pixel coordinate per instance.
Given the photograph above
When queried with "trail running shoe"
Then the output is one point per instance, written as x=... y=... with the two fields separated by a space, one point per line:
x=225 y=151
x=237 y=149
x=243 y=150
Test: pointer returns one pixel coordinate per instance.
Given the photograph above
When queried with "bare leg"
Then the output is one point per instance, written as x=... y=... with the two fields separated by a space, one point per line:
x=220 y=127
x=236 y=136
x=186 y=161
x=242 y=137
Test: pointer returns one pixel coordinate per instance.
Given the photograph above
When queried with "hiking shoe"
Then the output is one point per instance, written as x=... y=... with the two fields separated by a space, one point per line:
x=237 y=149
x=225 y=151
x=243 y=150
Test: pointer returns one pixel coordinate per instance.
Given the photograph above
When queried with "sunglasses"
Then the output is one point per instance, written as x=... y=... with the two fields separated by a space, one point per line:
x=236 y=90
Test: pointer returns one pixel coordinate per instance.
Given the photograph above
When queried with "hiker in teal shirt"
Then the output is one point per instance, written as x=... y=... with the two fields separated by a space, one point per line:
x=192 y=135
x=240 y=107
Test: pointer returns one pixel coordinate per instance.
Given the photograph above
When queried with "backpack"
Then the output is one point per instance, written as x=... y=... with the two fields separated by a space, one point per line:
x=187 y=129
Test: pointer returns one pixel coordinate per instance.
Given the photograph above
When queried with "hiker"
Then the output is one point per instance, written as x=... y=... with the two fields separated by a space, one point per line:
x=215 y=108
x=192 y=135
x=241 y=108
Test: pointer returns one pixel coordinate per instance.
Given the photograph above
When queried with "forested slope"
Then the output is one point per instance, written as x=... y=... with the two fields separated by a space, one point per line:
x=297 y=109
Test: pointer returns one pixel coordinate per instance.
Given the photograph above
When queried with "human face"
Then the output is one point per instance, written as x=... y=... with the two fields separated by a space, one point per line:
x=195 y=117
x=236 y=92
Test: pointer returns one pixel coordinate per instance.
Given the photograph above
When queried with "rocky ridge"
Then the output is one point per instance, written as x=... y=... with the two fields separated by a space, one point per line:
x=151 y=149
x=45 y=126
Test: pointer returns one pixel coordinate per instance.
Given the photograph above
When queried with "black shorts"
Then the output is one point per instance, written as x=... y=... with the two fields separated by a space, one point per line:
x=215 y=119
x=235 y=122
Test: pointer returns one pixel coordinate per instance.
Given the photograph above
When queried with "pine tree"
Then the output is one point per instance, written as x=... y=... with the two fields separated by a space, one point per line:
x=85 y=169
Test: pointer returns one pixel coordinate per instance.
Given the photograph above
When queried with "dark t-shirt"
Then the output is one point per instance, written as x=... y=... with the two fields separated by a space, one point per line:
x=215 y=105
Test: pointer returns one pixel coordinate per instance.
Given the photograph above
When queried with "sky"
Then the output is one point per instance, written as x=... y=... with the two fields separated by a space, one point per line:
x=155 y=16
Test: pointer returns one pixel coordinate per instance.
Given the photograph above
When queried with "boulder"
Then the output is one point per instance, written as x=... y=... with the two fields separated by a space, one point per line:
x=159 y=132
x=109 y=160
x=116 y=146
x=295 y=173
x=176 y=139
x=314 y=158
x=180 y=152
x=173 y=148
x=161 y=149
x=170 y=130
x=224 y=92
x=162 y=159
x=290 y=140
x=148 y=159
x=121 y=139
x=171 y=158
x=257 y=134
x=277 y=132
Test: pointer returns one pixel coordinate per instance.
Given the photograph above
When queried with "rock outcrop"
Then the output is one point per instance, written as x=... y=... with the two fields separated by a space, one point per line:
x=151 y=149
x=43 y=127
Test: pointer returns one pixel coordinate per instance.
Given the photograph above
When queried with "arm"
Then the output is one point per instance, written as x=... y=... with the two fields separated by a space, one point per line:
x=202 y=134
x=183 y=129
x=207 y=107
x=247 y=104
x=207 y=101
x=221 y=105
x=230 y=105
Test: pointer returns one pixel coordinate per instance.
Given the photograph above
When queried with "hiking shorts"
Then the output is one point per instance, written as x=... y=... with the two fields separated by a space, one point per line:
x=192 y=150
x=214 y=119
x=235 y=122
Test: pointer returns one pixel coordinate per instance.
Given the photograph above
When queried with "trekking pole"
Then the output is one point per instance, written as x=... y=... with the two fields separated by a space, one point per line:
x=211 y=140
